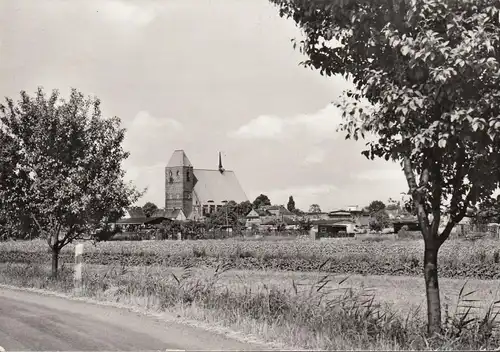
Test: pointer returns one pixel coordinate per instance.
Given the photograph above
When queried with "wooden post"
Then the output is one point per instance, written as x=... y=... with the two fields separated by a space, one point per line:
x=78 y=268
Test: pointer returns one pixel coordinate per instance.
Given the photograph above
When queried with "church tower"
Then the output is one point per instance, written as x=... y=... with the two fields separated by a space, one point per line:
x=179 y=183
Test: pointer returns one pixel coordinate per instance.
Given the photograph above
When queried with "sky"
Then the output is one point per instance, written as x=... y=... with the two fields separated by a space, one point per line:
x=203 y=76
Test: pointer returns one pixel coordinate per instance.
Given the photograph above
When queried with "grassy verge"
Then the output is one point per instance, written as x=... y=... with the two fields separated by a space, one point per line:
x=313 y=317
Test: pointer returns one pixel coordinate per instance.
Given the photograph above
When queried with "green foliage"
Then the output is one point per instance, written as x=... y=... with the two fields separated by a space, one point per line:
x=376 y=206
x=149 y=208
x=291 y=204
x=261 y=200
x=64 y=166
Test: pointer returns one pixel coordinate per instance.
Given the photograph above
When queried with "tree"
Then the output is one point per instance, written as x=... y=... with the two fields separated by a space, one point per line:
x=488 y=211
x=68 y=159
x=379 y=220
x=305 y=224
x=314 y=208
x=244 y=208
x=291 y=204
x=149 y=208
x=261 y=200
x=426 y=94
x=228 y=212
x=376 y=206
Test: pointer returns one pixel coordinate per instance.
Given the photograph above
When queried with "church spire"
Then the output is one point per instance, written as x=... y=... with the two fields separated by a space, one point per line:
x=221 y=169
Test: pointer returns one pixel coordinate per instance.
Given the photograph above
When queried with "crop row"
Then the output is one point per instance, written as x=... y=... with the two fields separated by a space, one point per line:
x=458 y=259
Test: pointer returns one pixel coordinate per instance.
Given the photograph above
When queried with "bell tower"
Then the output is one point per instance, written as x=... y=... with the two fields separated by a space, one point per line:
x=179 y=183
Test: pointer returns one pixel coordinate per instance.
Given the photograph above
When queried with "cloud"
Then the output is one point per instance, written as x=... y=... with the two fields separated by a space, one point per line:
x=144 y=120
x=393 y=174
x=316 y=156
x=126 y=13
x=148 y=137
x=321 y=125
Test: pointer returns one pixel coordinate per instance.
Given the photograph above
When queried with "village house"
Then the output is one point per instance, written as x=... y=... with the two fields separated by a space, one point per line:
x=135 y=218
x=270 y=216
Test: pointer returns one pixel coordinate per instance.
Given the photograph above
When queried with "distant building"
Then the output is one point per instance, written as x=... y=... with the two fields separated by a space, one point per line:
x=198 y=192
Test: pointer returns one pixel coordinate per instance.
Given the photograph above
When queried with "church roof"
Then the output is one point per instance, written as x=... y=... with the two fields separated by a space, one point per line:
x=217 y=186
x=179 y=158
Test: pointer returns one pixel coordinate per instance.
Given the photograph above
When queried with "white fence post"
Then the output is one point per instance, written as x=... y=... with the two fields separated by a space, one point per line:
x=78 y=268
x=179 y=236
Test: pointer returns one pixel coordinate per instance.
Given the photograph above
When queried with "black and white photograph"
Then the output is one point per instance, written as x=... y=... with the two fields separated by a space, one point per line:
x=249 y=175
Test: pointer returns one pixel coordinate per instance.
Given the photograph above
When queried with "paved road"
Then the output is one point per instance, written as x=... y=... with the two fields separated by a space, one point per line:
x=34 y=322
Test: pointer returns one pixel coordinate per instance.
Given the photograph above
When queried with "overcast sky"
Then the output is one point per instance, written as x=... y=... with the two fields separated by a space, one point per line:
x=203 y=76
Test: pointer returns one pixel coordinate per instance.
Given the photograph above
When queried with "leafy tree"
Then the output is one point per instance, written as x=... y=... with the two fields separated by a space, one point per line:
x=261 y=200
x=379 y=220
x=376 y=206
x=426 y=77
x=68 y=158
x=228 y=212
x=488 y=212
x=244 y=208
x=291 y=204
x=305 y=224
x=149 y=208
x=314 y=208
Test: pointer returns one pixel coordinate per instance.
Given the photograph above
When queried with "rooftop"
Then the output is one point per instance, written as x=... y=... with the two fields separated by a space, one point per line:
x=179 y=158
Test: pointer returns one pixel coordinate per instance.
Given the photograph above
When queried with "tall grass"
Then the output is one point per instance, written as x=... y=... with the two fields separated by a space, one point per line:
x=311 y=317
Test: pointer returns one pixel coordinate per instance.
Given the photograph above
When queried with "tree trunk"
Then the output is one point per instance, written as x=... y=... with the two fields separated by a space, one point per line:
x=55 y=261
x=432 y=290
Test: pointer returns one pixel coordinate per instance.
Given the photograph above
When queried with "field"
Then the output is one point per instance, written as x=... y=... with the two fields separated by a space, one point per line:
x=338 y=294
x=457 y=258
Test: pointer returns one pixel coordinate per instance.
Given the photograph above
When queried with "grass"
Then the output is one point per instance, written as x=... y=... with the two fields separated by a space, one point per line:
x=323 y=314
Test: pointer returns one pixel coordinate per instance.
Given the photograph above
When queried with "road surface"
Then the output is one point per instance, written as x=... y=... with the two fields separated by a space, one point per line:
x=35 y=322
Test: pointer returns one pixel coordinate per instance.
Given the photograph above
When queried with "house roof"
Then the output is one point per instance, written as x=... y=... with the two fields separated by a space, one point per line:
x=217 y=186
x=179 y=158
x=339 y=213
x=281 y=208
x=135 y=212
x=332 y=222
x=169 y=213
x=138 y=221
x=252 y=214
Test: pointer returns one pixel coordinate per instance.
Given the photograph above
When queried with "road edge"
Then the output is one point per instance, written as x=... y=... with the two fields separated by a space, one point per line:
x=163 y=316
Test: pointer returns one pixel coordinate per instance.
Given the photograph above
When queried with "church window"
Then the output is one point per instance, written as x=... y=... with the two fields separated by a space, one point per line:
x=178 y=196
x=205 y=210
x=188 y=176
x=212 y=208
x=178 y=173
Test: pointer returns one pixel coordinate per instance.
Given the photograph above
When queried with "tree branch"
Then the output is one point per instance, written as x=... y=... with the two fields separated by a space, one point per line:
x=456 y=219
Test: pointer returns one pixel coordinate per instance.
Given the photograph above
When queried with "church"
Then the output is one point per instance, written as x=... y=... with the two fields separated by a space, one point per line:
x=198 y=192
